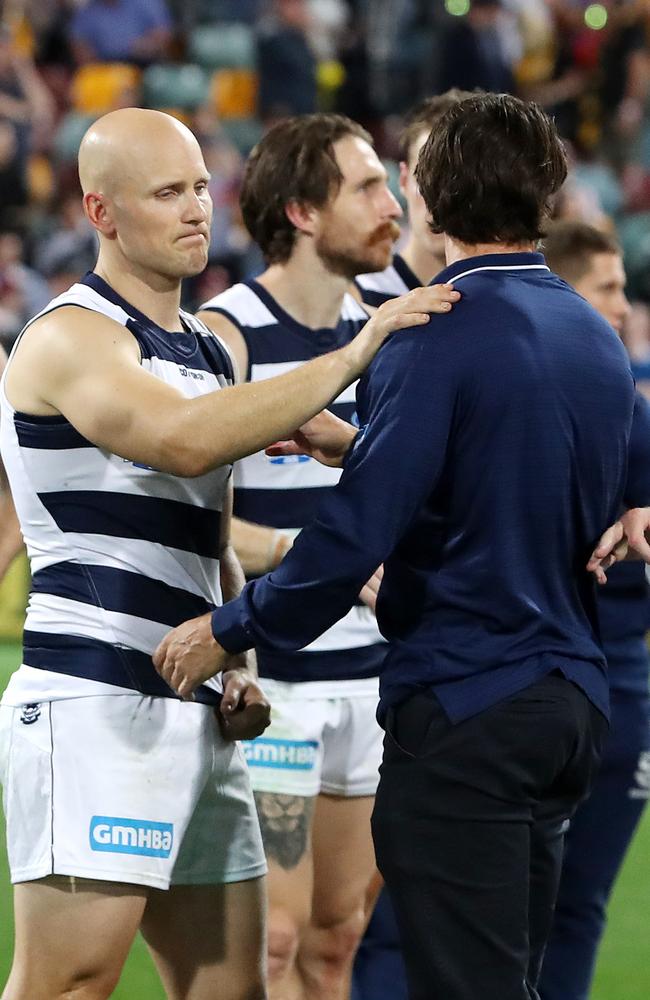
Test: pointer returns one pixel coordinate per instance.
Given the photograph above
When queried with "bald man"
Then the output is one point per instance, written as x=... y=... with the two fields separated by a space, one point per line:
x=126 y=807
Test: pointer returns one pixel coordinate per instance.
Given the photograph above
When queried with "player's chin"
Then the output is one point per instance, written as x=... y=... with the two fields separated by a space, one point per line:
x=377 y=259
x=383 y=254
x=193 y=262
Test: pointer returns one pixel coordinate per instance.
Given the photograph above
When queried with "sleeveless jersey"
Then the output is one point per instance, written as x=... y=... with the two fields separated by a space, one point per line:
x=285 y=492
x=397 y=279
x=119 y=552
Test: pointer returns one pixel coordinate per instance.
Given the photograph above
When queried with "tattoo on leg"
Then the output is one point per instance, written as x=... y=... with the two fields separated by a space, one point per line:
x=285 y=821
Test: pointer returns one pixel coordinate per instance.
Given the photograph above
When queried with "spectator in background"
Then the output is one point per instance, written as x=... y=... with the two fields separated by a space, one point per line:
x=473 y=52
x=286 y=62
x=70 y=250
x=13 y=187
x=23 y=292
x=134 y=31
x=603 y=827
x=26 y=105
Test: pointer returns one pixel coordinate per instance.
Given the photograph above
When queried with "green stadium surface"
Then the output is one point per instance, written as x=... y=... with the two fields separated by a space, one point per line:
x=623 y=970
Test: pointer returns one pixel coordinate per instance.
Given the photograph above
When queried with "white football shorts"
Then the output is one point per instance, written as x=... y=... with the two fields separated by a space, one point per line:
x=327 y=744
x=126 y=788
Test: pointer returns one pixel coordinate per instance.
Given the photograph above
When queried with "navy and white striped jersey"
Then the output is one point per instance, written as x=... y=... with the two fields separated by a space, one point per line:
x=119 y=552
x=397 y=279
x=285 y=492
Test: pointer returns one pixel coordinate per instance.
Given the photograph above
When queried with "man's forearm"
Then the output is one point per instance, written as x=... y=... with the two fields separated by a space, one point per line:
x=259 y=548
x=220 y=428
x=250 y=417
x=231 y=573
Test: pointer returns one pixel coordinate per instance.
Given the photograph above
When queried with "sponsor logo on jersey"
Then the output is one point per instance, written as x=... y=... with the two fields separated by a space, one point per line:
x=293 y=755
x=191 y=373
x=30 y=714
x=288 y=459
x=131 y=836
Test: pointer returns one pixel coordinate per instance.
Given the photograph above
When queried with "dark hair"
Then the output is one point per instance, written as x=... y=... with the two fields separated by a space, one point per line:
x=488 y=170
x=425 y=115
x=569 y=246
x=294 y=161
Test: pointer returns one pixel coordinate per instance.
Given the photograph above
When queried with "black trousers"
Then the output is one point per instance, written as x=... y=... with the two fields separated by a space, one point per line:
x=468 y=826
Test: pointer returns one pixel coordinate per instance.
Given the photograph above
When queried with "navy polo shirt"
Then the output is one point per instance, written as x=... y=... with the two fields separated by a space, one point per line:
x=492 y=453
x=624 y=603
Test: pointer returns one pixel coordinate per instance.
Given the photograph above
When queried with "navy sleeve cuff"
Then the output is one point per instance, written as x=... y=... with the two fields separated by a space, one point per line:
x=229 y=629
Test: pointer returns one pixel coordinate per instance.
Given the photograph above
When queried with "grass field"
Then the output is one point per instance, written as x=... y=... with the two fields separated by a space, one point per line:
x=623 y=970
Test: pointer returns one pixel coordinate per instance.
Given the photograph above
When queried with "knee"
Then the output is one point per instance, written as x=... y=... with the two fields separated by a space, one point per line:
x=93 y=986
x=333 y=943
x=252 y=990
x=283 y=942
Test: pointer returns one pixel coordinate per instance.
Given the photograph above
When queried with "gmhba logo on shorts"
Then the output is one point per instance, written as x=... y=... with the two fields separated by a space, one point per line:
x=294 y=755
x=131 y=836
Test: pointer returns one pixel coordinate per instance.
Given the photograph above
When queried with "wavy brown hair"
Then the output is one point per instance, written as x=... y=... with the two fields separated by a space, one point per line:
x=489 y=169
x=294 y=161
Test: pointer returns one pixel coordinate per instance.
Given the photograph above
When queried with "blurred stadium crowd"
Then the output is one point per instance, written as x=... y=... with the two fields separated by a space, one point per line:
x=230 y=67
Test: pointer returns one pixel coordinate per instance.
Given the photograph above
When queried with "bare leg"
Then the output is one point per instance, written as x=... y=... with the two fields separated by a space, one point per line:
x=286 y=829
x=72 y=937
x=344 y=869
x=209 y=941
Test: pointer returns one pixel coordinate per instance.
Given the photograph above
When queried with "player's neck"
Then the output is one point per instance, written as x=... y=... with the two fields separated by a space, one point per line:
x=311 y=294
x=455 y=250
x=419 y=259
x=157 y=297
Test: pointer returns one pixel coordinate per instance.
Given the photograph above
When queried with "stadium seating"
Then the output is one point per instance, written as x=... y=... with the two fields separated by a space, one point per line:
x=634 y=233
x=101 y=87
x=178 y=86
x=69 y=134
x=222 y=46
x=234 y=92
x=244 y=133
x=603 y=181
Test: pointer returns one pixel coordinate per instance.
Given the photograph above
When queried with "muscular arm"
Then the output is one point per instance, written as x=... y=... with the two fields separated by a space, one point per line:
x=394 y=466
x=86 y=367
x=259 y=548
x=231 y=573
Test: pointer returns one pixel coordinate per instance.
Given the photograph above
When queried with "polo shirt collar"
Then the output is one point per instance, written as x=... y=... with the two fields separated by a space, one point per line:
x=491 y=262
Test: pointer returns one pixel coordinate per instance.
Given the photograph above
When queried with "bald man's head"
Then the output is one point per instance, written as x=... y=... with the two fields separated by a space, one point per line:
x=145 y=187
x=120 y=148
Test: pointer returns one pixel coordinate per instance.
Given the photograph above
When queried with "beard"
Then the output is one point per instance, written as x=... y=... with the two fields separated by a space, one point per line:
x=342 y=255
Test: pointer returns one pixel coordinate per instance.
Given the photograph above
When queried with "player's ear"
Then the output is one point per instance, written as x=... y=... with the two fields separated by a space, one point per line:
x=302 y=215
x=98 y=213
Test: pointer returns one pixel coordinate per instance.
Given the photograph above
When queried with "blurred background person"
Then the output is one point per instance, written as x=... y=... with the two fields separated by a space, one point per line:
x=602 y=828
x=422 y=254
x=138 y=31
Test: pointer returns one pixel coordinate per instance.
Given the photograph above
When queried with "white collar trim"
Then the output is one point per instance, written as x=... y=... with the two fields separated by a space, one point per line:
x=501 y=267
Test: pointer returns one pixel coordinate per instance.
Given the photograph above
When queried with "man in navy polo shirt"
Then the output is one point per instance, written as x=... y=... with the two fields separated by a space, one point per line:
x=492 y=453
